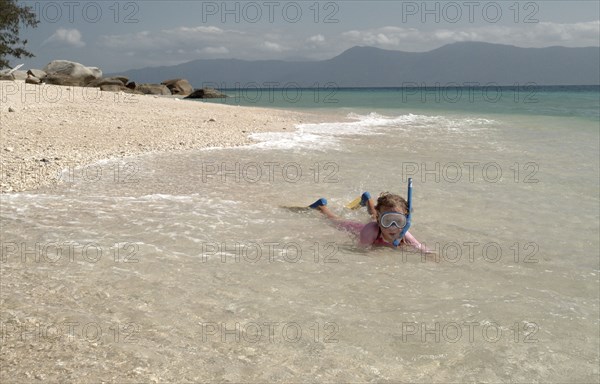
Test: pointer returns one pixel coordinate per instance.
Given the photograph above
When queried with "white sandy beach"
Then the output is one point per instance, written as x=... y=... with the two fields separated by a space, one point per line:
x=46 y=128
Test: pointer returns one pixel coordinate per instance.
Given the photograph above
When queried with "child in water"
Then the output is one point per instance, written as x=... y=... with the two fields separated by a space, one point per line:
x=390 y=215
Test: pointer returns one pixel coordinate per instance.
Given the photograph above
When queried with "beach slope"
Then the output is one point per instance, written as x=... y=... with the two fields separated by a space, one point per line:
x=47 y=128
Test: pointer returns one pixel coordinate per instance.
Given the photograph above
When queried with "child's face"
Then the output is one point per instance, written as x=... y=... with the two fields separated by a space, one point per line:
x=391 y=233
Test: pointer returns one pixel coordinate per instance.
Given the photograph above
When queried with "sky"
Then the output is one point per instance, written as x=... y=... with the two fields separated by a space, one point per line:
x=121 y=35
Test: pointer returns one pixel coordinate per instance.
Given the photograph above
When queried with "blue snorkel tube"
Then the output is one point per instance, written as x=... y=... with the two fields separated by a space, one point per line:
x=409 y=203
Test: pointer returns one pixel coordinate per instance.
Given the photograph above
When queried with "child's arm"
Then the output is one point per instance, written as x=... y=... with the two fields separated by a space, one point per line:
x=368 y=235
x=409 y=239
x=370 y=203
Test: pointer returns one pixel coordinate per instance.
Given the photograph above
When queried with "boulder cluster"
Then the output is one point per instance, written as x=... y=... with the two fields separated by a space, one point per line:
x=69 y=73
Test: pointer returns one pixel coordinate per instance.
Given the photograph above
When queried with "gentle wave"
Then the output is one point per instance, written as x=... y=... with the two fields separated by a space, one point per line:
x=326 y=135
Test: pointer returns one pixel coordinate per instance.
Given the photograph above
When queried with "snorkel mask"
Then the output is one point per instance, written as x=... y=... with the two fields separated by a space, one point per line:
x=407 y=224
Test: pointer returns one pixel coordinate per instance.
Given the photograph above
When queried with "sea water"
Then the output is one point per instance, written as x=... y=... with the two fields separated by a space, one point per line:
x=190 y=265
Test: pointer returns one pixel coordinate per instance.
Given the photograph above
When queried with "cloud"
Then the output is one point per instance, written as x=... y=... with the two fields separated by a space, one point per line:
x=186 y=43
x=385 y=37
x=180 y=44
x=316 y=39
x=588 y=33
x=200 y=29
x=315 y=43
x=144 y=40
x=213 y=51
x=177 y=38
x=67 y=37
x=526 y=35
x=273 y=47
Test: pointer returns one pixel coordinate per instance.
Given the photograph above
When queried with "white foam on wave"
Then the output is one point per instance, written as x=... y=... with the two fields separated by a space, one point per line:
x=362 y=125
x=292 y=140
x=411 y=121
x=161 y=197
x=328 y=135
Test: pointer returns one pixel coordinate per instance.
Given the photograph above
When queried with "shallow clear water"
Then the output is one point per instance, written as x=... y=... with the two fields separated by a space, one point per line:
x=193 y=269
x=522 y=99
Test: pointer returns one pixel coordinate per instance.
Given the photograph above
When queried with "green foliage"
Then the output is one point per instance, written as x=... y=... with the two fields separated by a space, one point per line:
x=12 y=16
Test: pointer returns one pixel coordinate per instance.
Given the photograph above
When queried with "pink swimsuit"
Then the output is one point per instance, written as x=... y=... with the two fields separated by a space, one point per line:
x=356 y=228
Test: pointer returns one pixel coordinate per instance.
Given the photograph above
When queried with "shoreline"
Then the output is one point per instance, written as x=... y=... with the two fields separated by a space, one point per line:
x=45 y=129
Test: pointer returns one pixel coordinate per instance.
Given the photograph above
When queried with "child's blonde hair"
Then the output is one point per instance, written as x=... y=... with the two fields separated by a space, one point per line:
x=388 y=201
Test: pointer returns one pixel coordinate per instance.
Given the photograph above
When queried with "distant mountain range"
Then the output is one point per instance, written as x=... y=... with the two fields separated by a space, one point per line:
x=460 y=63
